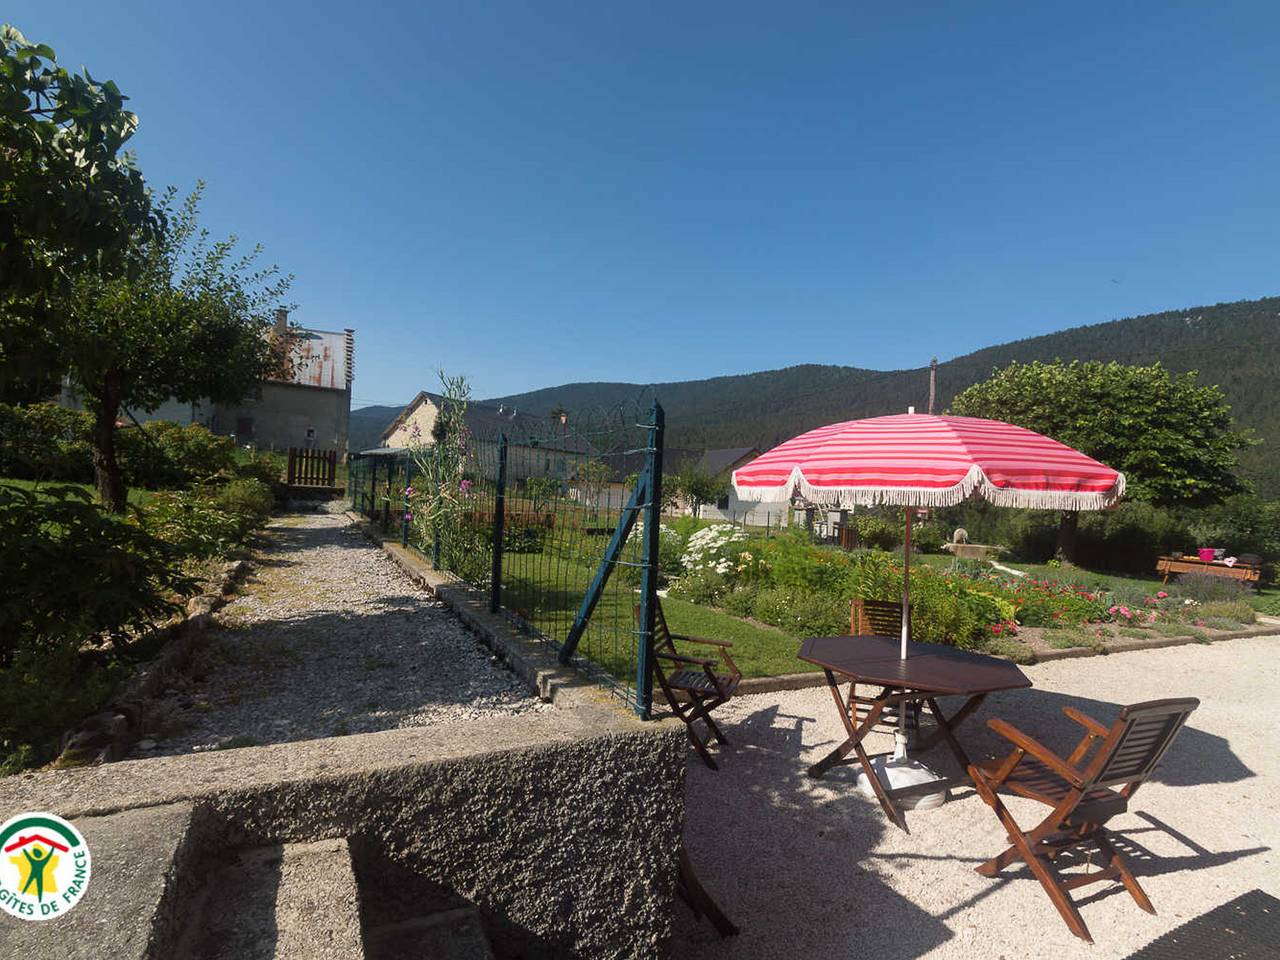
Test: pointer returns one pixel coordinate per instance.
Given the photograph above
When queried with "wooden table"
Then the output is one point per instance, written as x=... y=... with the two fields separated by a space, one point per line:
x=1240 y=571
x=931 y=670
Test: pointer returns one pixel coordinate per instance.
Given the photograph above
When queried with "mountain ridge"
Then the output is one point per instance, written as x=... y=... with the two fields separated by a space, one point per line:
x=1234 y=345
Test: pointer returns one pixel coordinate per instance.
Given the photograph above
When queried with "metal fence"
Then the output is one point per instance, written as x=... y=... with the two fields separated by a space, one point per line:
x=559 y=526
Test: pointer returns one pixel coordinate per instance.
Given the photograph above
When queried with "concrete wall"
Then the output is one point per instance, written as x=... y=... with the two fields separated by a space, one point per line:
x=282 y=414
x=752 y=512
x=561 y=828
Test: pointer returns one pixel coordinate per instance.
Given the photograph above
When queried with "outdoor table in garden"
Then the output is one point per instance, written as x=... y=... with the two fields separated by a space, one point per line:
x=930 y=670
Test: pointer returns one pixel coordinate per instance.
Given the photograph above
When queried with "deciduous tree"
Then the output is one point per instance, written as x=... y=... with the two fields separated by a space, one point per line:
x=187 y=319
x=1174 y=440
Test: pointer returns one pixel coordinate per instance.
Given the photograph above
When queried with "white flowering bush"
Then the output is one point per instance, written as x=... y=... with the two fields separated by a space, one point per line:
x=714 y=548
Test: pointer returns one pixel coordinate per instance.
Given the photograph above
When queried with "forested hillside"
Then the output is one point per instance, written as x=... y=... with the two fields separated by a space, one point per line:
x=1233 y=345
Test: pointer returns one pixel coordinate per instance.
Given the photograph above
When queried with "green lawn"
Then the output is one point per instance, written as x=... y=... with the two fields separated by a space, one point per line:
x=137 y=497
x=759 y=650
x=1267 y=601
x=546 y=591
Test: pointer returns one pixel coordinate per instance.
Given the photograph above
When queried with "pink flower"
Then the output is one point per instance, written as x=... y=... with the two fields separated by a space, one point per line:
x=1113 y=609
x=408 y=491
x=464 y=486
x=1126 y=613
x=1161 y=595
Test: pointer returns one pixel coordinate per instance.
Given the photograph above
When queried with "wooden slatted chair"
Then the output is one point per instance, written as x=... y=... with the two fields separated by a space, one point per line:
x=1084 y=792
x=879 y=618
x=876 y=618
x=692 y=685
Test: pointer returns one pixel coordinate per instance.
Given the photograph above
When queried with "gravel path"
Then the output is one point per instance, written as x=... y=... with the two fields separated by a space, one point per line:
x=811 y=869
x=329 y=637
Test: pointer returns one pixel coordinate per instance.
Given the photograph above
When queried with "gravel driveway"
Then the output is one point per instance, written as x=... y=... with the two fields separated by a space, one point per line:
x=328 y=637
x=810 y=869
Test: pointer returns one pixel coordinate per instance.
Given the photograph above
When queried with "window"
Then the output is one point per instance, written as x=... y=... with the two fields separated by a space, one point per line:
x=723 y=503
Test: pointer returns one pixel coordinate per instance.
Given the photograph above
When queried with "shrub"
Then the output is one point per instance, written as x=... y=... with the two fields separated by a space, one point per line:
x=877 y=532
x=793 y=561
x=192 y=522
x=710 y=548
x=1207 y=588
x=802 y=613
x=1244 y=524
x=704 y=586
x=260 y=466
x=928 y=538
x=43 y=441
x=741 y=601
x=45 y=692
x=165 y=454
x=81 y=574
x=249 y=500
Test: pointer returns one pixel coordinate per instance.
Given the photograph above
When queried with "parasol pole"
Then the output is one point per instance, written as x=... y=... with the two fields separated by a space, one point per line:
x=906 y=585
x=900 y=735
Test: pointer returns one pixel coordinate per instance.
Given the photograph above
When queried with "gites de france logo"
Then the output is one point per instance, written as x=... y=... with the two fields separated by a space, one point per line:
x=44 y=866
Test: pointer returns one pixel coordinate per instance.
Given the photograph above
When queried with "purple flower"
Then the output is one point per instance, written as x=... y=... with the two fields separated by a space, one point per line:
x=464 y=486
x=408 y=491
x=408 y=516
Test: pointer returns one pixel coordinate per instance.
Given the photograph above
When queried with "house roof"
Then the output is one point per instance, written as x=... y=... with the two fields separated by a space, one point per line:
x=487 y=421
x=714 y=462
x=720 y=461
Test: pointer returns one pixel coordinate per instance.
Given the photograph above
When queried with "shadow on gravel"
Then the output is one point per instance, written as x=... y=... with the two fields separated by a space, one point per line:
x=775 y=848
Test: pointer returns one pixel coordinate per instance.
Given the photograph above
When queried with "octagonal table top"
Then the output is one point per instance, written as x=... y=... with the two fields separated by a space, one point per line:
x=929 y=666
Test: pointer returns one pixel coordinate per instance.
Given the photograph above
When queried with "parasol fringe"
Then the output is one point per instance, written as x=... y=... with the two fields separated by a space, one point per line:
x=974 y=482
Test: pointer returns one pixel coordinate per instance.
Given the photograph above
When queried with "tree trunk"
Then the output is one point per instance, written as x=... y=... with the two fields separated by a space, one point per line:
x=106 y=471
x=1068 y=524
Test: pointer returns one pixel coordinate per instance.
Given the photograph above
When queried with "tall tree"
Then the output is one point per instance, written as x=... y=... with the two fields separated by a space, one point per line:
x=70 y=198
x=1174 y=440
x=188 y=319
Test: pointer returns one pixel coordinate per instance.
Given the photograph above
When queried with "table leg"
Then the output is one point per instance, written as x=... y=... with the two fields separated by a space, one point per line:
x=946 y=728
x=855 y=733
x=962 y=714
x=854 y=744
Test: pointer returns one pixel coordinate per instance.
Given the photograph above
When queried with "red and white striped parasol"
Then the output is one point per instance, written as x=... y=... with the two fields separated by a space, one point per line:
x=921 y=460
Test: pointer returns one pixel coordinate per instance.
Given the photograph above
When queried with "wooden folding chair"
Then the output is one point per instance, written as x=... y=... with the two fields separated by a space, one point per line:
x=1084 y=793
x=691 y=685
x=879 y=618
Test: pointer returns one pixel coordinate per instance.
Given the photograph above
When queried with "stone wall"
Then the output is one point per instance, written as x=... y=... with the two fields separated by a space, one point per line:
x=561 y=829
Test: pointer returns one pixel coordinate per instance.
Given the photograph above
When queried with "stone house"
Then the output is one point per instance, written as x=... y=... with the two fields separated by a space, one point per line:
x=309 y=407
x=533 y=448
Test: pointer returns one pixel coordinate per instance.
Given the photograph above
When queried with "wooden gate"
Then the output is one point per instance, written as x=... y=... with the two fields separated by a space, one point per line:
x=312 y=468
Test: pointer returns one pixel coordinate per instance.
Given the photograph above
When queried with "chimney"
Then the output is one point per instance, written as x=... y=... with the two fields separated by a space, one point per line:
x=282 y=321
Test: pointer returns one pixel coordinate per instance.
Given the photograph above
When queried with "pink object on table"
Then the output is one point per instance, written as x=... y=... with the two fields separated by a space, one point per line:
x=1206 y=554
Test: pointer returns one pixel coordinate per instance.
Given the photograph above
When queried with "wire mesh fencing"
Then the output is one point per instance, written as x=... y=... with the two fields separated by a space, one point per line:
x=550 y=521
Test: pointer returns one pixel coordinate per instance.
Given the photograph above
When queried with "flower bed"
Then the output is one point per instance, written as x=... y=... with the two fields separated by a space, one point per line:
x=806 y=589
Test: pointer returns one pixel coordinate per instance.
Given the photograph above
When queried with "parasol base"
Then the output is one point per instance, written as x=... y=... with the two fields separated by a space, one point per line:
x=895 y=773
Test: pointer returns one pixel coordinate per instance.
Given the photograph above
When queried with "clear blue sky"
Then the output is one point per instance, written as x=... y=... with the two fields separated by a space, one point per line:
x=540 y=192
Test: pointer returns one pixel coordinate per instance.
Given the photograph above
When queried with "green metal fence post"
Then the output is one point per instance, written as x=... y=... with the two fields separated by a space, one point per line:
x=649 y=586
x=499 y=523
